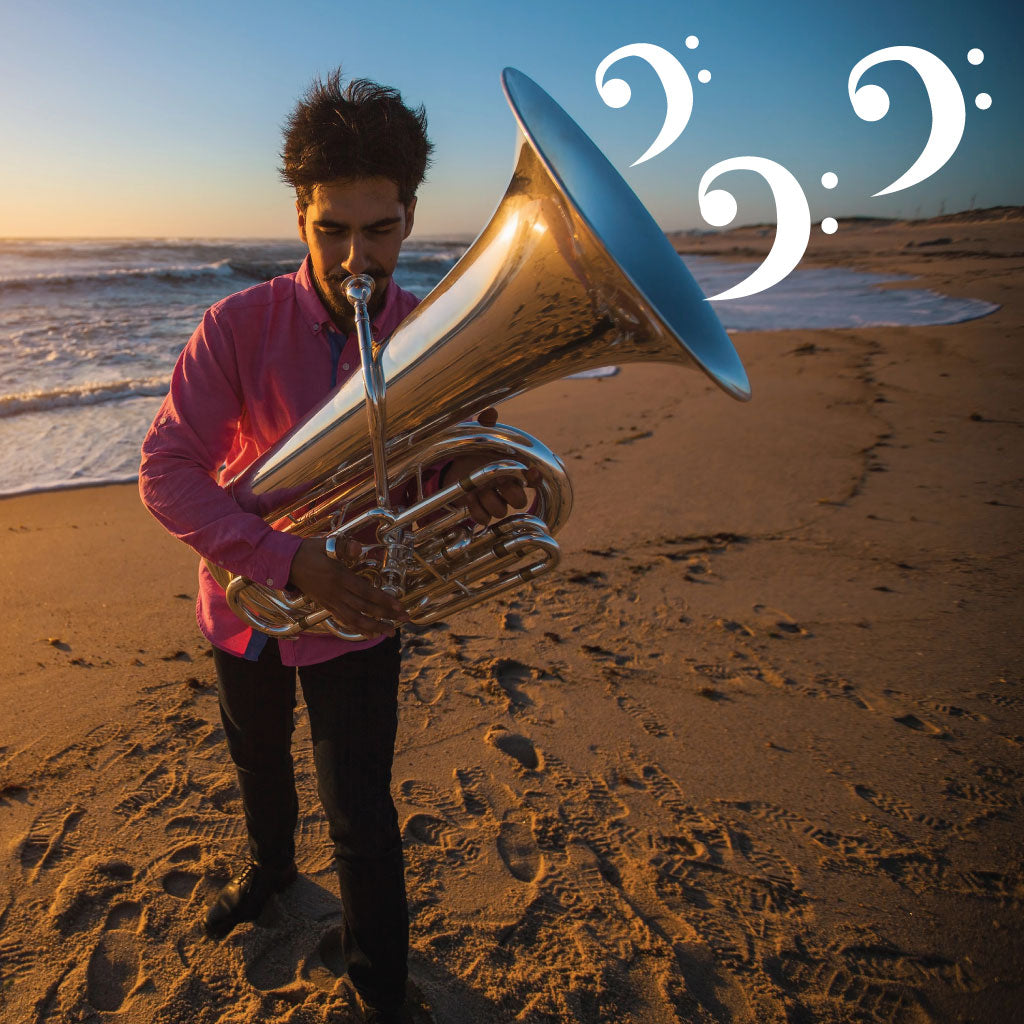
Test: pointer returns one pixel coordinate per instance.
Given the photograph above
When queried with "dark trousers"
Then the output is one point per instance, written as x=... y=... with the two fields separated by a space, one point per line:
x=353 y=717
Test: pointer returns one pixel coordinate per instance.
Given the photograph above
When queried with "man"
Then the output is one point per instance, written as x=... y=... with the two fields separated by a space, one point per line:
x=261 y=360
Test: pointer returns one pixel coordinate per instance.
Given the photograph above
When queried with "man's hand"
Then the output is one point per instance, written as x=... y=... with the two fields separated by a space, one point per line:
x=355 y=602
x=492 y=502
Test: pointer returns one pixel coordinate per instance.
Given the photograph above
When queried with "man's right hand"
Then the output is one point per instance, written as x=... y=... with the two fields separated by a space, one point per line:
x=355 y=602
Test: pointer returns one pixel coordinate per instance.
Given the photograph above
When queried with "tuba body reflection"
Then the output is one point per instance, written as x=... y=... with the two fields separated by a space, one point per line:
x=571 y=273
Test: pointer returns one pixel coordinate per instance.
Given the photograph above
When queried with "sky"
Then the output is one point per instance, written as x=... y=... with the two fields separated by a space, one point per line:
x=127 y=118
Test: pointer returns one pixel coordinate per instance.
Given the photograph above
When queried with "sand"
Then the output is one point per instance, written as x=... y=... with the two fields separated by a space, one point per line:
x=753 y=754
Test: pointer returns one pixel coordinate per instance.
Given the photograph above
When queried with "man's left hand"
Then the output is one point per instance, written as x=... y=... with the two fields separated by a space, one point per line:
x=492 y=502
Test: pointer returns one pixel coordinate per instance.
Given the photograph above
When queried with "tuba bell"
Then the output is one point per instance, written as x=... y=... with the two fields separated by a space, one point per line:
x=570 y=274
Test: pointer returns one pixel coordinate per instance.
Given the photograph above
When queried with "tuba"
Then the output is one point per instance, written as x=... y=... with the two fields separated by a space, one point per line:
x=570 y=274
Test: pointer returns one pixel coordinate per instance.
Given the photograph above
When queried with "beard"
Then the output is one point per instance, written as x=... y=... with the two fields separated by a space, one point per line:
x=332 y=295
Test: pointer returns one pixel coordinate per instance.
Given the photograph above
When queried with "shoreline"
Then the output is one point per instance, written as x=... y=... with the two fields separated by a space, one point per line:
x=77 y=486
x=853 y=252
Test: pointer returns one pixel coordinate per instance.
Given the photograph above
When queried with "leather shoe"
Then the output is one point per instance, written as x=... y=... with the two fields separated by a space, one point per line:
x=245 y=896
x=381 y=1014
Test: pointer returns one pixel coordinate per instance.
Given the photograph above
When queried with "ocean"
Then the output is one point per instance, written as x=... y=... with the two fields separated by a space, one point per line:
x=90 y=330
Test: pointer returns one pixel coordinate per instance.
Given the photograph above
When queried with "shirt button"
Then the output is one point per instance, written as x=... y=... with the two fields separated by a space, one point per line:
x=270 y=583
x=344 y=366
x=316 y=328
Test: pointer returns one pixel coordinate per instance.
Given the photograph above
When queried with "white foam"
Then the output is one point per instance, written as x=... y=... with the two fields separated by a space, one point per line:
x=72 y=447
x=89 y=393
x=829 y=297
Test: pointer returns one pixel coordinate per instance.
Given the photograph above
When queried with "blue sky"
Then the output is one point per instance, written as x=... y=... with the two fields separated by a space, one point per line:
x=142 y=119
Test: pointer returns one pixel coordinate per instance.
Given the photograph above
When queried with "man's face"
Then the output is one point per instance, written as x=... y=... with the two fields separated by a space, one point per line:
x=354 y=226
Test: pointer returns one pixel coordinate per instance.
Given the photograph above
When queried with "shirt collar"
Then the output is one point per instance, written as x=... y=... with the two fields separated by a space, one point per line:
x=316 y=313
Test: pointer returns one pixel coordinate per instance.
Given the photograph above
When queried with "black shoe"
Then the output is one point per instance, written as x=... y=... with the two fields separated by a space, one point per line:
x=245 y=896
x=400 y=1014
x=380 y=1015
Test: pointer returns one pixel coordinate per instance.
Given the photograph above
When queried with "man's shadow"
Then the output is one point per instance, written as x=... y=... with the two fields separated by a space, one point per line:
x=294 y=947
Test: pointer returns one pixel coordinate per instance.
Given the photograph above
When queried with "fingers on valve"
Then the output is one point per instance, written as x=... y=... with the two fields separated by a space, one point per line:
x=491 y=499
x=364 y=597
x=512 y=492
x=371 y=623
x=343 y=550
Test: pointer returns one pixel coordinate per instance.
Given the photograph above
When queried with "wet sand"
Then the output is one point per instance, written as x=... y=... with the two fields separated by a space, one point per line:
x=754 y=754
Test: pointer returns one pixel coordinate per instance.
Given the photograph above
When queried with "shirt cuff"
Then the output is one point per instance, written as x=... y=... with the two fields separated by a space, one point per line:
x=274 y=562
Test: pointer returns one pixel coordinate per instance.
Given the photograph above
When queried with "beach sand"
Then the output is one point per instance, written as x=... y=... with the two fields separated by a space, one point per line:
x=754 y=753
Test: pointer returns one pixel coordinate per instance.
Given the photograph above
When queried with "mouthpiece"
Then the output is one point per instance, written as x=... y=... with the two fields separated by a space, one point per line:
x=358 y=288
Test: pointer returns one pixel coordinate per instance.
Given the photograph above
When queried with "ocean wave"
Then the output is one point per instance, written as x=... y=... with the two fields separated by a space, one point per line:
x=413 y=256
x=247 y=270
x=256 y=270
x=244 y=267
x=61 y=279
x=91 y=393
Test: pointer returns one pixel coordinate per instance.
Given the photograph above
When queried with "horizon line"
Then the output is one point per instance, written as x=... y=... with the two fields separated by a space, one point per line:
x=467 y=237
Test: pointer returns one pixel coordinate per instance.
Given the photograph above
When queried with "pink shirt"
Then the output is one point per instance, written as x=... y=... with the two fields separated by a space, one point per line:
x=257 y=364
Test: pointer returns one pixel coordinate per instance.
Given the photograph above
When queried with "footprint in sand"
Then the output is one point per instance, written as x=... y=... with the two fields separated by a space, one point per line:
x=592 y=578
x=123 y=917
x=193 y=851
x=164 y=785
x=643 y=715
x=1005 y=701
x=457 y=849
x=732 y=626
x=519 y=748
x=83 y=896
x=470 y=787
x=512 y=622
x=518 y=849
x=898 y=808
x=16 y=960
x=424 y=794
x=425 y=828
x=954 y=711
x=47 y=839
x=919 y=725
x=113 y=971
x=961 y=789
x=779 y=624
x=114 y=966
x=176 y=656
x=273 y=970
x=603 y=654
x=427 y=685
x=510 y=675
x=179 y=884
x=216 y=829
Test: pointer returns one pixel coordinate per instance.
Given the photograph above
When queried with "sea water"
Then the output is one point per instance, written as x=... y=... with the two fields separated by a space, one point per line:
x=90 y=330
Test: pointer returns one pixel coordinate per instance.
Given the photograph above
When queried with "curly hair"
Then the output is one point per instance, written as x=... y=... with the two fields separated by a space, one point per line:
x=361 y=131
